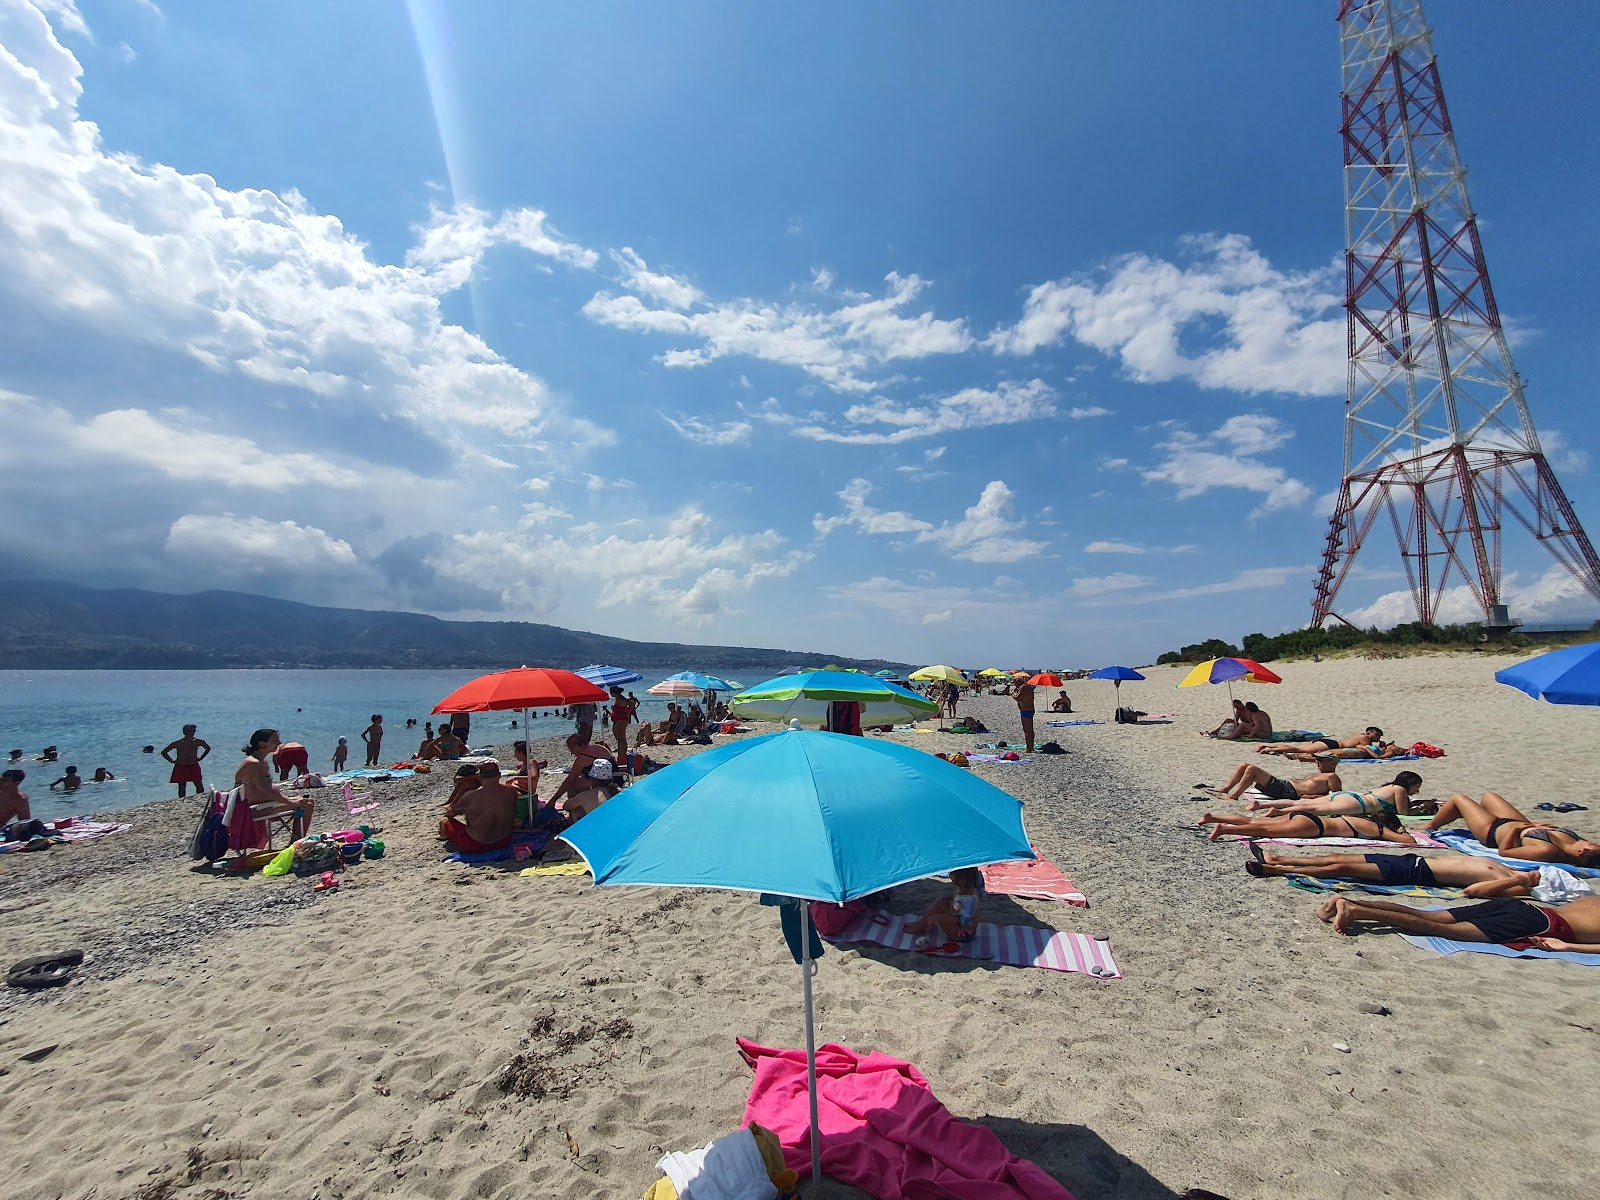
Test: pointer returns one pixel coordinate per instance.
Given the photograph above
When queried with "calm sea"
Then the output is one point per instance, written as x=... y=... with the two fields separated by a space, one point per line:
x=105 y=718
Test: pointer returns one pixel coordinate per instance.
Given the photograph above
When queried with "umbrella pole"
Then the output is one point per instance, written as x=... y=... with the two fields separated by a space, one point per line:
x=811 y=1037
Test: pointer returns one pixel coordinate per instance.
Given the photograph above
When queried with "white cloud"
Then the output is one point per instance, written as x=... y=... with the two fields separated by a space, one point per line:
x=864 y=517
x=984 y=533
x=1226 y=458
x=1113 y=548
x=924 y=470
x=1103 y=585
x=1555 y=595
x=257 y=544
x=452 y=241
x=971 y=408
x=839 y=346
x=704 y=433
x=1226 y=319
x=1093 y=410
x=637 y=277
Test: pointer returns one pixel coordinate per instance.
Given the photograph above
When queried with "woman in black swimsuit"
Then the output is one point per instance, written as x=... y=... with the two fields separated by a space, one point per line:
x=1381 y=827
x=1503 y=829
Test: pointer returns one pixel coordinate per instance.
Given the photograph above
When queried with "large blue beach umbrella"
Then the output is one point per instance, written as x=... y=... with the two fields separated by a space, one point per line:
x=816 y=816
x=605 y=677
x=1569 y=676
x=1116 y=675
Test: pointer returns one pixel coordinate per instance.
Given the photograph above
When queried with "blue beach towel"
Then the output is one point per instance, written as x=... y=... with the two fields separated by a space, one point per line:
x=1462 y=840
x=1445 y=946
x=368 y=773
x=1396 y=758
x=1070 y=724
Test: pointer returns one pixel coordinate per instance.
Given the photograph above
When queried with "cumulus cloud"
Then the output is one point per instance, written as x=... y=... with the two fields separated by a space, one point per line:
x=1555 y=595
x=843 y=346
x=258 y=544
x=858 y=513
x=1107 y=547
x=985 y=533
x=1228 y=457
x=1092 y=410
x=1102 y=585
x=1224 y=317
x=884 y=422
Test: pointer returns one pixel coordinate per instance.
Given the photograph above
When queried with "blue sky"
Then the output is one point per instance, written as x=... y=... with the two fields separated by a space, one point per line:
x=941 y=332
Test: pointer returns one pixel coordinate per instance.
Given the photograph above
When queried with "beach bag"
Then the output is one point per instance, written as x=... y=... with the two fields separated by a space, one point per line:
x=313 y=858
x=210 y=840
x=1051 y=748
x=1010 y=756
x=1423 y=750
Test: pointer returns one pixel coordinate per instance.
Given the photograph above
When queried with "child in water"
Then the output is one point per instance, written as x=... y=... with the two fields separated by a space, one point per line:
x=952 y=918
x=340 y=753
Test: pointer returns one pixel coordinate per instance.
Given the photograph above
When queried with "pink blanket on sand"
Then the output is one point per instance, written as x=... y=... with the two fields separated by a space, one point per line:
x=1037 y=880
x=883 y=1130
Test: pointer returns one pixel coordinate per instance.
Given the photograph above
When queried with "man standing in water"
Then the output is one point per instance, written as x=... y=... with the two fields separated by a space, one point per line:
x=186 y=755
x=372 y=735
x=1023 y=695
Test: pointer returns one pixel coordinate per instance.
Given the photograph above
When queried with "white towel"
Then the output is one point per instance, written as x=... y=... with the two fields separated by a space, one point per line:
x=1556 y=886
x=729 y=1168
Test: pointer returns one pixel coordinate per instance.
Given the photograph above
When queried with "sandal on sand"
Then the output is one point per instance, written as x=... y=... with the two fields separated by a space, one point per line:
x=1255 y=850
x=1570 y=807
x=1254 y=868
x=45 y=970
x=1546 y=806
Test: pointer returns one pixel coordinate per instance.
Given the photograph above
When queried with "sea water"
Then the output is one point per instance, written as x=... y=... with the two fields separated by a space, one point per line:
x=105 y=718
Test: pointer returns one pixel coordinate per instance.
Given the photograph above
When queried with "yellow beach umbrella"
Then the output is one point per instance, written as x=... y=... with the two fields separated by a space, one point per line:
x=992 y=672
x=938 y=671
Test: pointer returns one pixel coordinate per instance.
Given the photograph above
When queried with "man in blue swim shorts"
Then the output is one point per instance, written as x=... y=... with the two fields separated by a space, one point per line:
x=1023 y=695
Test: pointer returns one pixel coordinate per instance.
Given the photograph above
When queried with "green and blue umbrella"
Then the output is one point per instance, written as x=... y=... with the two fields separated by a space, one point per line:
x=707 y=683
x=806 y=696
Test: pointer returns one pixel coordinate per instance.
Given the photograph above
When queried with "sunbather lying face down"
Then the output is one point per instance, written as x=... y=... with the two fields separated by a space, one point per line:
x=1381 y=827
x=1482 y=878
x=1574 y=927
x=1350 y=753
x=1393 y=798
x=1248 y=775
x=1367 y=736
x=1503 y=829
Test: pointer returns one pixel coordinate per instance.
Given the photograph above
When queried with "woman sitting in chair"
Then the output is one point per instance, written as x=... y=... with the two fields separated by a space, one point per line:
x=254 y=776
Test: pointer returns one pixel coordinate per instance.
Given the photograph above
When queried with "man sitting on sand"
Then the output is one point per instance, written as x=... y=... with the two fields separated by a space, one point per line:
x=1575 y=927
x=1393 y=798
x=1372 y=735
x=1479 y=877
x=1061 y=704
x=664 y=733
x=1233 y=728
x=1248 y=775
x=584 y=756
x=1501 y=828
x=13 y=800
x=481 y=819
x=1257 y=720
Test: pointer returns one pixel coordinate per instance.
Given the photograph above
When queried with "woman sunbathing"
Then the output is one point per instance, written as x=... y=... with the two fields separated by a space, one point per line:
x=1507 y=832
x=1575 y=927
x=1355 y=753
x=1381 y=827
x=1393 y=798
x=1319 y=744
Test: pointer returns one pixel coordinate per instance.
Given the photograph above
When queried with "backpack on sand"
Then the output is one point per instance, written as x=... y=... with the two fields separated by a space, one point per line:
x=210 y=840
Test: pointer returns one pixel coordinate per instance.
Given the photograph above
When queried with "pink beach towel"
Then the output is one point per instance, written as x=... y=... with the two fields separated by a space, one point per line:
x=883 y=1130
x=1036 y=880
x=1009 y=945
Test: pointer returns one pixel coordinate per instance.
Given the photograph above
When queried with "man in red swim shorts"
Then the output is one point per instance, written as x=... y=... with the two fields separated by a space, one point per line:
x=185 y=755
x=487 y=815
x=292 y=755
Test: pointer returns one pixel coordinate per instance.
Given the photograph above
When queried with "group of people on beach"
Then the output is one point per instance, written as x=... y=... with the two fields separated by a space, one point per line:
x=1516 y=903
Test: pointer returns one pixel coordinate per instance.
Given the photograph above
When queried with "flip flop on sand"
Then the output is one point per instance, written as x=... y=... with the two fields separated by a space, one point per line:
x=1255 y=850
x=45 y=970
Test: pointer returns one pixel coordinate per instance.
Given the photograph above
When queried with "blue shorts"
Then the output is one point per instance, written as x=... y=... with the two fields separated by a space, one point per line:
x=1025 y=713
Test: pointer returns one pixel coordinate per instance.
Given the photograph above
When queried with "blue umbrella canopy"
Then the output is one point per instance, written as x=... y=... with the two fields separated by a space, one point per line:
x=1569 y=676
x=1117 y=673
x=707 y=683
x=820 y=816
x=605 y=677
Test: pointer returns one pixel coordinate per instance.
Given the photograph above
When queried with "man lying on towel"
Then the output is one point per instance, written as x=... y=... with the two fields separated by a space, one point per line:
x=1248 y=775
x=1482 y=878
x=1574 y=927
x=1367 y=736
x=481 y=819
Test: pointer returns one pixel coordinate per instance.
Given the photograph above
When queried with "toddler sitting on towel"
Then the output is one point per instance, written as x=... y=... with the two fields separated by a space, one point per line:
x=952 y=918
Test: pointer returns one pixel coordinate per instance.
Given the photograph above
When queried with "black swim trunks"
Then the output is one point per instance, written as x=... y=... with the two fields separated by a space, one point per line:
x=1278 y=789
x=1330 y=743
x=1505 y=920
x=1403 y=870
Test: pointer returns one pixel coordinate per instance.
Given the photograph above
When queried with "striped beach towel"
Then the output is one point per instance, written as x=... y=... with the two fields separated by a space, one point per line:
x=1445 y=946
x=1036 y=880
x=1012 y=945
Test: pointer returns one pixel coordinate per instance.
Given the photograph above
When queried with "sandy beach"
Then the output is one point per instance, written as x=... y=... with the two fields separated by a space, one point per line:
x=246 y=1037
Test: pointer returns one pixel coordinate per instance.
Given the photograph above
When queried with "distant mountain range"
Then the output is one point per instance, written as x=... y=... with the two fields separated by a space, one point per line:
x=45 y=625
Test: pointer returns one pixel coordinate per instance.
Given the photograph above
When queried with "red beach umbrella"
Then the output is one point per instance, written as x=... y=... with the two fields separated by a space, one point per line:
x=522 y=687
x=1258 y=673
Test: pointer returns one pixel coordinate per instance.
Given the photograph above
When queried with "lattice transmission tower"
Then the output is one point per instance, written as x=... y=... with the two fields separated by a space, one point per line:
x=1437 y=433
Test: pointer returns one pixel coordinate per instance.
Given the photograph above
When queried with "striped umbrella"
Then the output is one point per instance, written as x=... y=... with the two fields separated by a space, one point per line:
x=609 y=676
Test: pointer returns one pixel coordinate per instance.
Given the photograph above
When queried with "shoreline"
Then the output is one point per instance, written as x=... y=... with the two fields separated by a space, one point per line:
x=359 y=1037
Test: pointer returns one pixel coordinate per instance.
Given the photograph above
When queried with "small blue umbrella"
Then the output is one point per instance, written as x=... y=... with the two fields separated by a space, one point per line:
x=817 y=816
x=608 y=676
x=707 y=683
x=1116 y=675
x=1570 y=676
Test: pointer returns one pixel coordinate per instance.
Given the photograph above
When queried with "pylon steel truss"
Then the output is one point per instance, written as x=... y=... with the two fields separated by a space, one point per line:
x=1437 y=432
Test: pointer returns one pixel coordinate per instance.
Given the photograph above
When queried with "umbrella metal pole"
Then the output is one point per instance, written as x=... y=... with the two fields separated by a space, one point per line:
x=811 y=1037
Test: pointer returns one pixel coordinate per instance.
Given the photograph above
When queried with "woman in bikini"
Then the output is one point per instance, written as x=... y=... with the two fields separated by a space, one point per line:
x=1508 y=833
x=1393 y=798
x=1379 y=827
